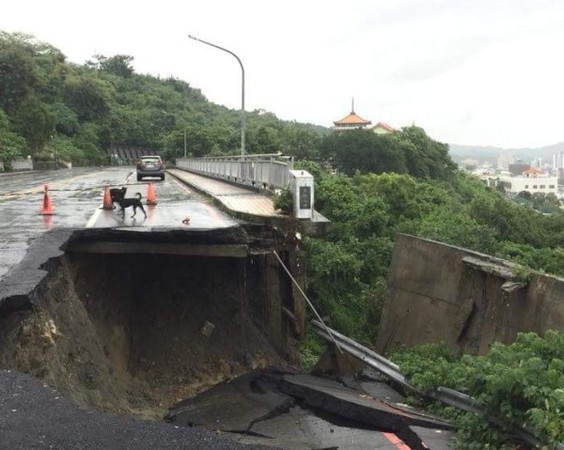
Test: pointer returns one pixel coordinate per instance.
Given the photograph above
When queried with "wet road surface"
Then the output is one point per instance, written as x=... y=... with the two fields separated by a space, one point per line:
x=76 y=197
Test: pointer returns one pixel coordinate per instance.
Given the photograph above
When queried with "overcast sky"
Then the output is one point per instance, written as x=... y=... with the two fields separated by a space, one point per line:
x=485 y=72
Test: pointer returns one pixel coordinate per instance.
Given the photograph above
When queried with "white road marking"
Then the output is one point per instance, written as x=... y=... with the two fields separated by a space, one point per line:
x=94 y=218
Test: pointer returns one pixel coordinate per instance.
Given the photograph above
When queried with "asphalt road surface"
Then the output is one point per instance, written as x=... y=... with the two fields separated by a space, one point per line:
x=76 y=197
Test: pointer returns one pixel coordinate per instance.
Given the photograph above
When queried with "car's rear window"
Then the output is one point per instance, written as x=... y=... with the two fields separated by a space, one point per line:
x=153 y=159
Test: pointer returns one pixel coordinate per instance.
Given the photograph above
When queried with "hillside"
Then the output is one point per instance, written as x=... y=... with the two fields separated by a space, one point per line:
x=81 y=112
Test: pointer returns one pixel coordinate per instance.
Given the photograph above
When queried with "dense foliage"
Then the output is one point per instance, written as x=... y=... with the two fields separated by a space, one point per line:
x=82 y=112
x=410 y=151
x=348 y=268
x=368 y=205
x=522 y=382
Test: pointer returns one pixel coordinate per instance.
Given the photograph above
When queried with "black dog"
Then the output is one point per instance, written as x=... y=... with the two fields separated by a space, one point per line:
x=135 y=202
x=116 y=194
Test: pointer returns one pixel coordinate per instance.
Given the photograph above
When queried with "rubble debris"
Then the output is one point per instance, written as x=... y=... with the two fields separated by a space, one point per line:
x=278 y=407
x=207 y=329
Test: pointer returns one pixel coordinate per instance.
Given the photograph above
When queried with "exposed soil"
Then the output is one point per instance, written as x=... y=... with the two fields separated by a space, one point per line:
x=126 y=333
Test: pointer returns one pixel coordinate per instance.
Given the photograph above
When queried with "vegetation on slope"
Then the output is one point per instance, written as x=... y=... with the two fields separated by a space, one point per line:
x=380 y=195
x=84 y=111
x=519 y=383
x=348 y=268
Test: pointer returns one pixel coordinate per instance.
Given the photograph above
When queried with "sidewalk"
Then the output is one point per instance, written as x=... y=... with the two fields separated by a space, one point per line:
x=245 y=204
x=238 y=200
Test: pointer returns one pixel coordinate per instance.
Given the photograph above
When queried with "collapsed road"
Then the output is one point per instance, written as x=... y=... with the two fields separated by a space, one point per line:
x=139 y=342
x=106 y=331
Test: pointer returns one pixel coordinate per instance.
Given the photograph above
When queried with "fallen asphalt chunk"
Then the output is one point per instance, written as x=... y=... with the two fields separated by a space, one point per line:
x=36 y=416
x=276 y=408
x=233 y=405
x=332 y=397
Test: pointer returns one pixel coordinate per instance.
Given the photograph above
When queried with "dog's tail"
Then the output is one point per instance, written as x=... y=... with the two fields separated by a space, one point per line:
x=139 y=196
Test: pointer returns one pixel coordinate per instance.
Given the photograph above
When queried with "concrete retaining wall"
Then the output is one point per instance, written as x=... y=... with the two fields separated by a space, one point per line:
x=437 y=292
x=22 y=164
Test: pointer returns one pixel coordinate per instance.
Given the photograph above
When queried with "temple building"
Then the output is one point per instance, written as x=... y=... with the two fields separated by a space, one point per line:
x=354 y=122
x=351 y=122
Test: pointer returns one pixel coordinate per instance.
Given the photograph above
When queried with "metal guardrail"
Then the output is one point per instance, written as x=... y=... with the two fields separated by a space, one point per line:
x=265 y=171
x=366 y=355
x=443 y=394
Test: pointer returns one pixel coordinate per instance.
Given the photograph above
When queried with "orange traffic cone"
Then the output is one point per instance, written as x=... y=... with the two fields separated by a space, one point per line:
x=47 y=208
x=107 y=203
x=151 y=199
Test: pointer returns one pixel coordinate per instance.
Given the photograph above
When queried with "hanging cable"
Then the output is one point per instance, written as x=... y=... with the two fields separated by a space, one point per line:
x=307 y=300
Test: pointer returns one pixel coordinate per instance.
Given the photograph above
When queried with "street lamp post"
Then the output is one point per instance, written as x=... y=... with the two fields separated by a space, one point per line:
x=54 y=151
x=243 y=150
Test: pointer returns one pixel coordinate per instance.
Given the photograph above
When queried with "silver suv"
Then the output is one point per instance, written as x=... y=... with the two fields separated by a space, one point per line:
x=150 y=166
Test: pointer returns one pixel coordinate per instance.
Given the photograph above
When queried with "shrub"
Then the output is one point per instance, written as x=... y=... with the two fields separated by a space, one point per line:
x=284 y=201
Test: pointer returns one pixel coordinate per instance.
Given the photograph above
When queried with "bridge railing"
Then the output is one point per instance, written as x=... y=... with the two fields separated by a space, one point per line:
x=266 y=171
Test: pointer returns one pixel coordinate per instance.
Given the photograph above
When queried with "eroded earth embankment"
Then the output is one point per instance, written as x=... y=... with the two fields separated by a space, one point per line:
x=136 y=332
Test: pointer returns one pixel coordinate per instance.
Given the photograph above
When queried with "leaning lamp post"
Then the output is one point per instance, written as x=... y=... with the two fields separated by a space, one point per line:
x=243 y=151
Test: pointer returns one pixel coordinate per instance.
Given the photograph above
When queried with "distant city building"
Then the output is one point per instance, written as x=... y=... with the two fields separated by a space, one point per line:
x=560 y=175
x=504 y=160
x=518 y=167
x=532 y=180
x=558 y=160
x=537 y=162
x=469 y=164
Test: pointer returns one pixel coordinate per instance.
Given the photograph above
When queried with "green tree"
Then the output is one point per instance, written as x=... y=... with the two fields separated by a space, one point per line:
x=12 y=146
x=424 y=156
x=34 y=122
x=66 y=120
x=119 y=65
x=407 y=151
x=302 y=142
x=364 y=151
x=87 y=98
x=86 y=139
x=199 y=142
x=17 y=70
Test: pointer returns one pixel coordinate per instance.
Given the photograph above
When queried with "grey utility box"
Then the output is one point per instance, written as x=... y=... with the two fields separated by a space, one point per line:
x=301 y=186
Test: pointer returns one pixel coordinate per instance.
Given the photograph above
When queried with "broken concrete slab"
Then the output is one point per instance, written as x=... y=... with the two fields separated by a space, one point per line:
x=334 y=398
x=382 y=391
x=274 y=407
x=234 y=405
x=435 y=439
x=302 y=429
